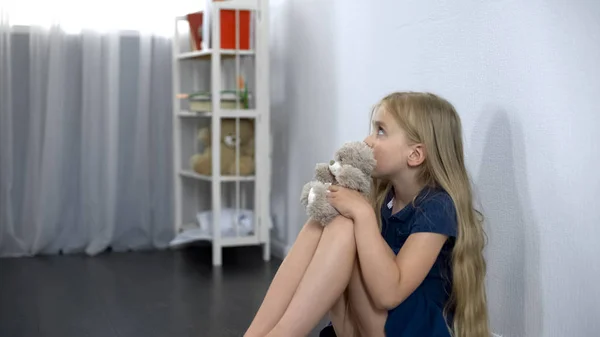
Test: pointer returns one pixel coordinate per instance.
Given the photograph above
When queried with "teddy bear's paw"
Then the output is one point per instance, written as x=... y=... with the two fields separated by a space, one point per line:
x=353 y=178
x=320 y=209
x=311 y=196
x=306 y=191
x=323 y=214
x=201 y=164
x=246 y=167
x=323 y=174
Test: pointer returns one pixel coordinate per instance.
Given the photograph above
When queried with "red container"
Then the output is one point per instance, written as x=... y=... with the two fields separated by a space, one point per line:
x=227 y=29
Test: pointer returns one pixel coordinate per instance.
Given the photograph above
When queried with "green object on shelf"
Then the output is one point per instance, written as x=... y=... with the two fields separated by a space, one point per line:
x=245 y=97
x=225 y=94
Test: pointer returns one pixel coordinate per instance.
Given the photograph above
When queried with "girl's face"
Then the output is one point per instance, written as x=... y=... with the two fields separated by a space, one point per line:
x=390 y=145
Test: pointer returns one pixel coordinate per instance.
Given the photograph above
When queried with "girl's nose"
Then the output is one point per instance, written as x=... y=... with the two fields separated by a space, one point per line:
x=369 y=141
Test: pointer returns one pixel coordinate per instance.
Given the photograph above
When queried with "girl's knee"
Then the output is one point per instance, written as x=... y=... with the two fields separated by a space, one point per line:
x=341 y=226
x=342 y=221
x=340 y=232
x=312 y=226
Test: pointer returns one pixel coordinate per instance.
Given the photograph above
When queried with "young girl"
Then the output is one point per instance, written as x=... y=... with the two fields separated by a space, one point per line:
x=406 y=263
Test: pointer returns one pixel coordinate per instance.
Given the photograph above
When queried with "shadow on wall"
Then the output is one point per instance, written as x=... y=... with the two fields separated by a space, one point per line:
x=280 y=116
x=513 y=261
x=311 y=93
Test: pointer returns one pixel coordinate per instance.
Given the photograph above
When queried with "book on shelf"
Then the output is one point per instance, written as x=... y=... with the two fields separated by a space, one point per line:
x=230 y=100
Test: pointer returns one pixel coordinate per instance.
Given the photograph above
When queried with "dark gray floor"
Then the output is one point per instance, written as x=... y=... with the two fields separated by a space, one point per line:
x=166 y=294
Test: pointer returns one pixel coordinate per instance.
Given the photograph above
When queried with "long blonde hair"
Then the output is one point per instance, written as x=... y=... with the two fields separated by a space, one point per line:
x=431 y=120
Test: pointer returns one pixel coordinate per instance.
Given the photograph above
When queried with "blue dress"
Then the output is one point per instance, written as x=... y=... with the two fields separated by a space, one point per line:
x=421 y=313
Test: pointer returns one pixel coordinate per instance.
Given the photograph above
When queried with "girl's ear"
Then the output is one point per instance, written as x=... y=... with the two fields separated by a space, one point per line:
x=417 y=155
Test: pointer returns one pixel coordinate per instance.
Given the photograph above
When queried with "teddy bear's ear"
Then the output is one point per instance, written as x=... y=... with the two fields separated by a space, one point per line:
x=204 y=135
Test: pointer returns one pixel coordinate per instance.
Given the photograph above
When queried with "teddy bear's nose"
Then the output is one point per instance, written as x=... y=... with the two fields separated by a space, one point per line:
x=331 y=162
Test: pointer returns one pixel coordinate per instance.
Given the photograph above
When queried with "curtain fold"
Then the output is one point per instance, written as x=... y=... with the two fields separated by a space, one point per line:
x=8 y=237
x=85 y=141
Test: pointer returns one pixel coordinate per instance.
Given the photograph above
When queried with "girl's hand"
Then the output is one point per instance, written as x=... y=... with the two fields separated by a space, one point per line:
x=349 y=203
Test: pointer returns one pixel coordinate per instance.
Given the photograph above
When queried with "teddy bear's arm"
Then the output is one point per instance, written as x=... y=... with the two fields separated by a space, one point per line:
x=353 y=178
x=323 y=174
x=305 y=192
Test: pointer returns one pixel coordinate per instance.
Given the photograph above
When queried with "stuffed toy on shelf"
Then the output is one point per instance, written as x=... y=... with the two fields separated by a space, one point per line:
x=201 y=163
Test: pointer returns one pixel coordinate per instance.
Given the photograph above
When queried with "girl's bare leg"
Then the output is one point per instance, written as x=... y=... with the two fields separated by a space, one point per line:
x=286 y=280
x=354 y=314
x=342 y=318
x=370 y=320
x=324 y=281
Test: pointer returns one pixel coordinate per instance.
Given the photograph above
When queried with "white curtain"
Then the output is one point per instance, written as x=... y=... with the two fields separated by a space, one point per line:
x=85 y=141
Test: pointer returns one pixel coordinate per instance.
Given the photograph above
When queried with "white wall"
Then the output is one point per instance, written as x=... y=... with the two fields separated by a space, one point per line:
x=304 y=98
x=525 y=77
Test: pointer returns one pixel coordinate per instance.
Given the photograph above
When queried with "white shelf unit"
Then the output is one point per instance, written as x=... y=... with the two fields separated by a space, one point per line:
x=194 y=192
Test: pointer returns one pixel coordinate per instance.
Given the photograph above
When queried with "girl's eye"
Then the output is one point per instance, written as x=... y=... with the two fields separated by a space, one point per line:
x=380 y=131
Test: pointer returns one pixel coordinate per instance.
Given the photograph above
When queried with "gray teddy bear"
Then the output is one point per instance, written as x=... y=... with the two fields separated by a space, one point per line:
x=351 y=168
